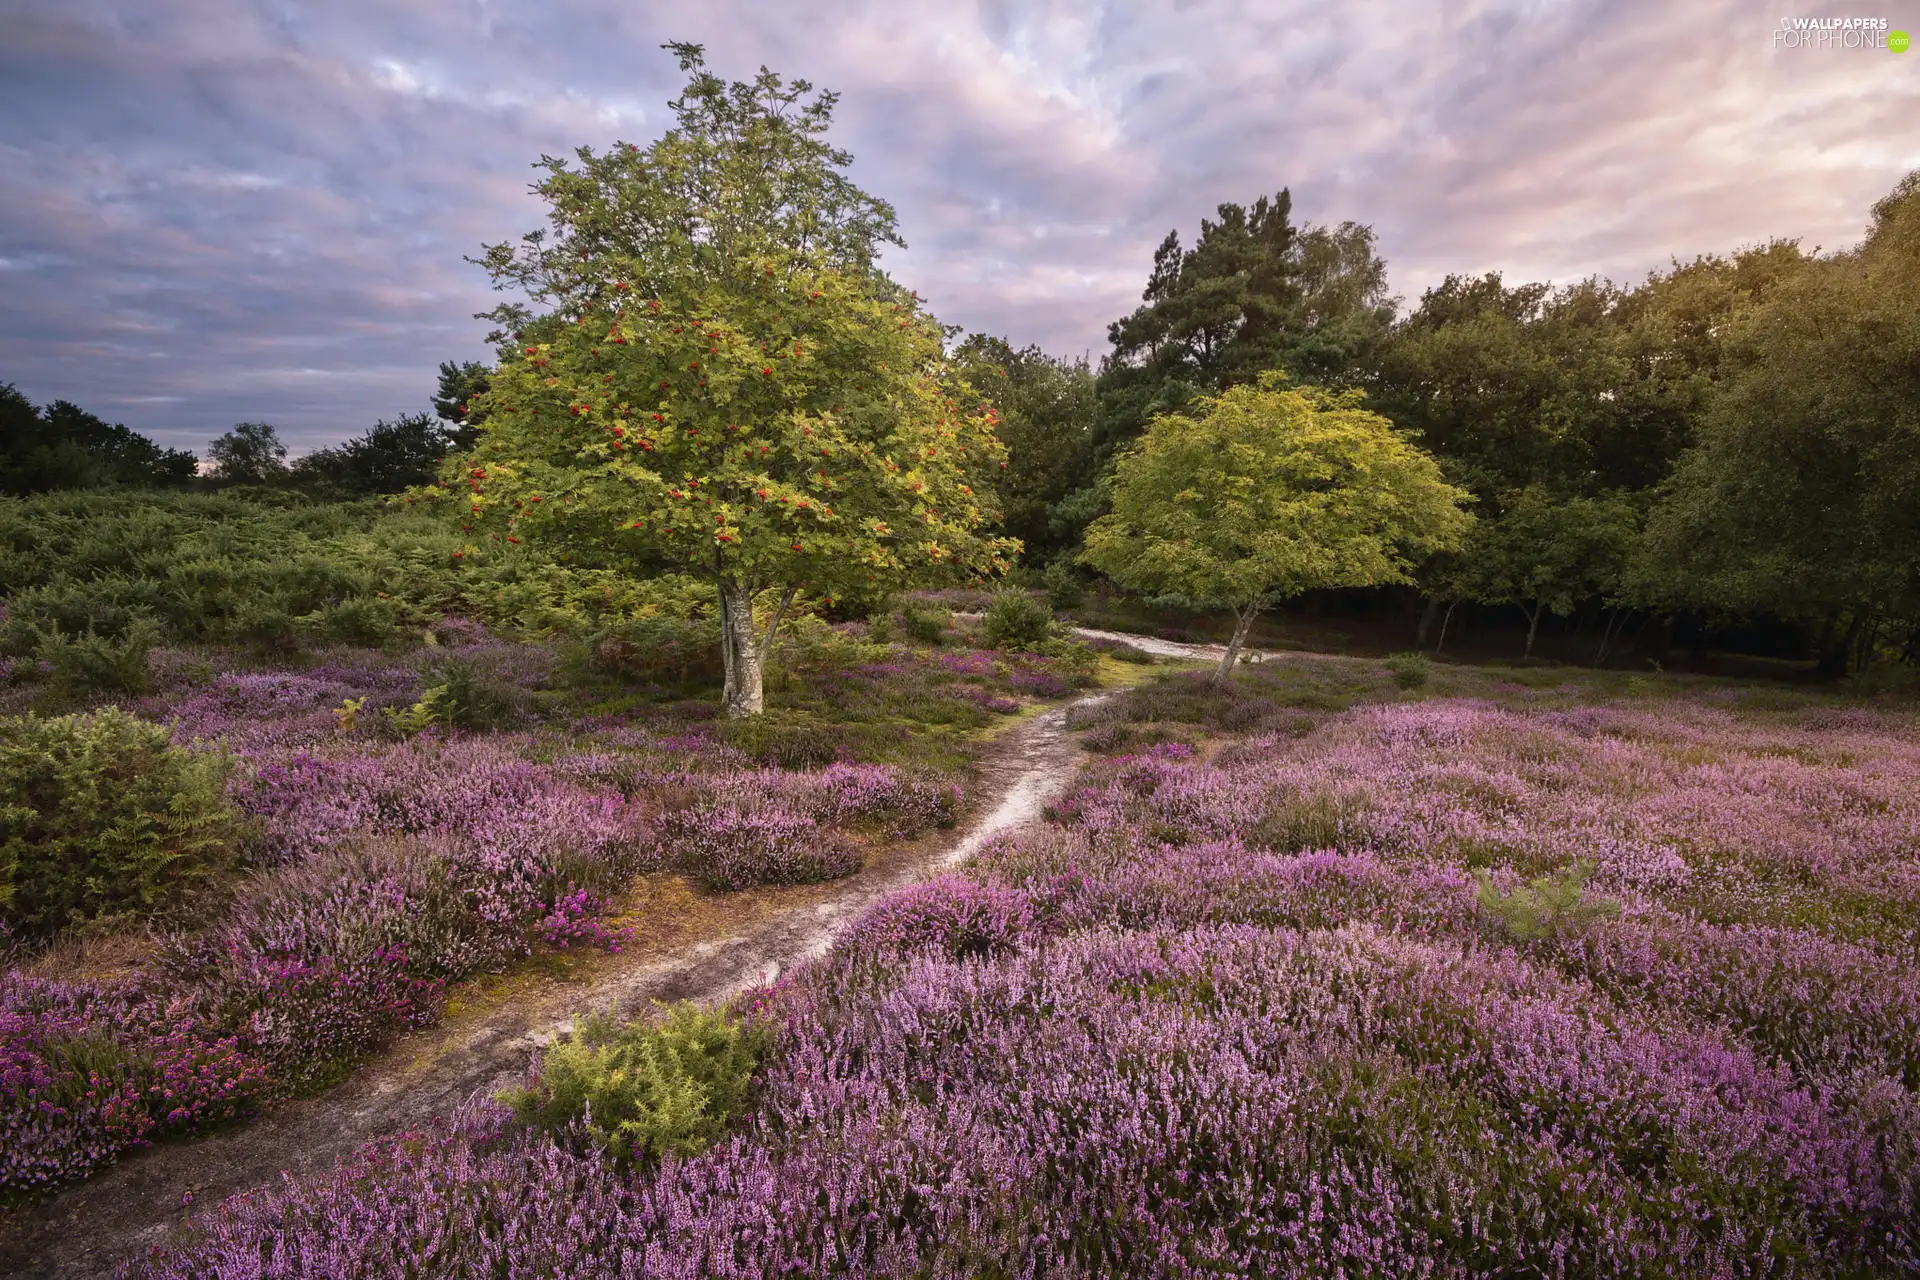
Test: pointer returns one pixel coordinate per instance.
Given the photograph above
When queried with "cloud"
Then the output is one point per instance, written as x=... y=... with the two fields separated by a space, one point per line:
x=220 y=210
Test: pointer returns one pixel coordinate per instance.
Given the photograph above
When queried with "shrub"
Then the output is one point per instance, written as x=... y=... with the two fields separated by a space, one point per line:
x=1121 y=651
x=726 y=848
x=1553 y=906
x=1070 y=659
x=792 y=740
x=1063 y=586
x=1015 y=620
x=100 y=813
x=926 y=623
x=1410 y=670
x=642 y=1090
x=1302 y=823
x=265 y=625
x=88 y=662
x=660 y=650
x=362 y=620
x=950 y=915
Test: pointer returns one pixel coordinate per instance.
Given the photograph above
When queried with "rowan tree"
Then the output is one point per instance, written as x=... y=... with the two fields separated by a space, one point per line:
x=724 y=382
x=1268 y=491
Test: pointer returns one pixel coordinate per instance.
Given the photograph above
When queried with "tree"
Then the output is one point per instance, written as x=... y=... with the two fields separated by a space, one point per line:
x=724 y=382
x=1253 y=293
x=1801 y=497
x=65 y=447
x=1547 y=556
x=251 y=453
x=1268 y=491
x=1046 y=407
x=390 y=457
x=460 y=386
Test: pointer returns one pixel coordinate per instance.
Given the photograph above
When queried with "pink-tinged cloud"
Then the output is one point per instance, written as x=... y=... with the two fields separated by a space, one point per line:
x=219 y=210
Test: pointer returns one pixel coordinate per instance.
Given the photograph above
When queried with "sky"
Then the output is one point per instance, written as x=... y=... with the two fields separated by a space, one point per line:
x=224 y=210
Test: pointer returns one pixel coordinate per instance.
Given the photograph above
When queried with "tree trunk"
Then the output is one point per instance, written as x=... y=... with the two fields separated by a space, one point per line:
x=1241 y=626
x=773 y=626
x=1869 y=641
x=1533 y=629
x=1833 y=660
x=1428 y=616
x=740 y=652
x=1446 y=620
x=1608 y=634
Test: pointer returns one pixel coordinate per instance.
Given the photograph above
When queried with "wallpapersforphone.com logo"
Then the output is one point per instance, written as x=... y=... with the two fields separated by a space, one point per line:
x=1839 y=33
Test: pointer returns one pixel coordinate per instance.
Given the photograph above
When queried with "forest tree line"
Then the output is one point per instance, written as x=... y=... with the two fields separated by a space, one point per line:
x=1735 y=440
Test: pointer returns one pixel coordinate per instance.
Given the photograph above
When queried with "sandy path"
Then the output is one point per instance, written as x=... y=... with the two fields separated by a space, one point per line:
x=124 y=1211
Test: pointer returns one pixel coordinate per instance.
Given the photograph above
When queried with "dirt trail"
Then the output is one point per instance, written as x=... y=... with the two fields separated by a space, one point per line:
x=718 y=947
x=1171 y=648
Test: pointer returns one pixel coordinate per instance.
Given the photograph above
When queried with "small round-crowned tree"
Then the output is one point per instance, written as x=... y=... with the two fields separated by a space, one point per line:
x=1265 y=492
x=724 y=382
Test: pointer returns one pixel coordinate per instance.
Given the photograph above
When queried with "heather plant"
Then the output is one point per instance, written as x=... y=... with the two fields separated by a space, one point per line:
x=951 y=915
x=729 y=848
x=1121 y=651
x=645 y=1089
x=1302 y=822
x=88 y=1070
x=790 y=739
x=100 y=813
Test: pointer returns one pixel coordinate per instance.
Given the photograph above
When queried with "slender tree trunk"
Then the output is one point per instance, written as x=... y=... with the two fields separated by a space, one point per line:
x=1445 y=621
x=743 y=693
x=1533 y=628
x=1611 y=632
x=773 y=626
x=1242 y=624
x=1869 y=641
x=1428 y=616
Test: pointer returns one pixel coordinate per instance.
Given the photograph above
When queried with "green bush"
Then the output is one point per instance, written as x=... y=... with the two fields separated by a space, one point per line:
x=1063 y=585
x=1410 y=670
x=1015 y=620
x=1071 y=659
x=361 y=620
x=264 y=625
x=1551 y=906
x=101 y=814
x=89 y=662
x=642 y=1090
x=926 y=623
